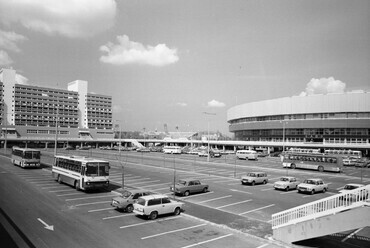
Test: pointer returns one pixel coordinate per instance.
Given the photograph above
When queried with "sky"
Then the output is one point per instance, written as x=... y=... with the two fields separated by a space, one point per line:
x=185 y=63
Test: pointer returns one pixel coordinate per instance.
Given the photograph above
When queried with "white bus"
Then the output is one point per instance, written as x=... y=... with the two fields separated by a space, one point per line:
x=81 y=172
x=172 y=149
x=25 y=157
x=247 y=154
x=344 y=153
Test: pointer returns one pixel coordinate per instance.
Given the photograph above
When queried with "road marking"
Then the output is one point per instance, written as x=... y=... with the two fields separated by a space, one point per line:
x=91 y=203
x=210 y=240
x=264 y=245
x=168 y=183
x=257 y=209
x=39 y=180
x=191 y=196
x=148 y=222
x=45 y=184
x=62 y=190
x=235 y=190
x=267 y=189
x=178 y=230
x=215 y=199
x=145 y=182
x=234 y=204
x=76 y=193
x=58 y=186
x=117 y=216
x=288 y=192
x=351 y=234
x=91 y=197
x=97 y=210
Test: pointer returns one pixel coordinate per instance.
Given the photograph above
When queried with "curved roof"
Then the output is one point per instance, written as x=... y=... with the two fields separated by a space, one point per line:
x=330 y=103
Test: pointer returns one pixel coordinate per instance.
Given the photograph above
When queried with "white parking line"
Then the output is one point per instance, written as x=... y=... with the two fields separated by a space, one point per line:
x=58 y=186
x=257 y=209
x=76 y=193
x=215 y=199
x=91 y=197
x=118 y=216
x=148 y=222
x=288 y=192
x=39 y=180
x=97 y=210
x=232 y=204
x=241 y=191
x=203 y=242
x=178 y=230
x=267 y=189
x=145 y=182
x=62 y=190
x=91 y=203
x=191 y=196
x=45 y=184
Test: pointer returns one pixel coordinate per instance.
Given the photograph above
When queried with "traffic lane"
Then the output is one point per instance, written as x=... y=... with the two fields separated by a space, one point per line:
x=33 y=210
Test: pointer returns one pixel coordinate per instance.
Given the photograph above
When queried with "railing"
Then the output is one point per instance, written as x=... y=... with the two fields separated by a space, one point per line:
x=330 y=205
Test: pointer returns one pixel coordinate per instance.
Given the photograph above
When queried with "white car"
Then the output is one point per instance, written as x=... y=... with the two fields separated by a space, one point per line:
x=286 y=183
x=157 y=204
x=359 y=195
x=312 y=186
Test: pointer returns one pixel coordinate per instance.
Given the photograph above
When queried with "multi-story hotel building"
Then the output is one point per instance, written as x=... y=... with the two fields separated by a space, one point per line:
x=340 y=120
x=34 y=112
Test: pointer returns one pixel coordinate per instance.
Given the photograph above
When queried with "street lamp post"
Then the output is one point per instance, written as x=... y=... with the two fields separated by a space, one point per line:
x=56 y=129
x=207 y=113
x=282 y=160
x=119 y=152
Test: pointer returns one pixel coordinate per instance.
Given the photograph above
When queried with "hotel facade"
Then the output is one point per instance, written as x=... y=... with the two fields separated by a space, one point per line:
x=37 y=114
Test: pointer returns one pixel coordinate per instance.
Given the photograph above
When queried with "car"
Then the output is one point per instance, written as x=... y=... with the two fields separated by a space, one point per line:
x=350 y=161
x=186 y=187
x=215 y=153
x=69 y=148
x=127 y=198
x=363 y=162
x=359 y=195
x=203 y=154
x=143 y=149
x=312 y=186
x=253 y=178
x=152 y=206
x=286 y=183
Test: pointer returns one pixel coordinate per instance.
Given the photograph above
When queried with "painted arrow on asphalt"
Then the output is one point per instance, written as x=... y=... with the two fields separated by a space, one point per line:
x=51 y=228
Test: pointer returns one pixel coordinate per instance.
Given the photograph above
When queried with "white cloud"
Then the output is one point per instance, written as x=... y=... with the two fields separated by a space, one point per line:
x=19 y=79
x=4 y=58
x=130 y=52
x=71 y=18
x=324 y=86
x=182 y=104
x=216 y=104
x=8 y=40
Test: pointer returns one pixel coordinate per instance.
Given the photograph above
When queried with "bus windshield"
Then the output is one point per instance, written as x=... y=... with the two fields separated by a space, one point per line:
x=31 y=155
x=97 y=169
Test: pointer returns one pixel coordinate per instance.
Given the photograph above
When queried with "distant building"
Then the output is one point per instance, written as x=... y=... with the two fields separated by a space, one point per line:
x=323 y=119
x=29 y=111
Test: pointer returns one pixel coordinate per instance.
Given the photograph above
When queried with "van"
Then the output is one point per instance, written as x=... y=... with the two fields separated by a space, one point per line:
x=247 y=154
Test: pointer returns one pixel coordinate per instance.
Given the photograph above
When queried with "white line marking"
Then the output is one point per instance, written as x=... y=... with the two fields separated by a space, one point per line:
x=215 y=199
x=178 y=230
x=148 y=222
x=351 y=234
x=92 y=197
x=233 y=204
x=97 y=210
x=91 y=203
x=257 y=209
x=62 y=190
x=241 y=191
x=192 y=196
x=76 y=193
x=267 y=189
x=203 y=242
x=118 y=216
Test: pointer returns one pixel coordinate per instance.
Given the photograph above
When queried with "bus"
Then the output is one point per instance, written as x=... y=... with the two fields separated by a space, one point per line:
x=80 y=172
x=303 y=150
x=319 y=162
x=344 y=153
x=172 y=149
x=247 y=154
x=25 y=157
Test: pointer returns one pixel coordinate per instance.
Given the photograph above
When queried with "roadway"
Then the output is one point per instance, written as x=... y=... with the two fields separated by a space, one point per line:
x=230 y=214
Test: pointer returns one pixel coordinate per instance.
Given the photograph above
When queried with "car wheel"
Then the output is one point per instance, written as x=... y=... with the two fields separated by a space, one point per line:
x=324 y=190
x=153 y=215
x=177 y=211
x=321 y=168
x=312 y=192
x=264 y=182
x=205 y=190
x=76 y=185
x=287 y=188
x=293 y=166
x=186 y=193
x=129 y=208
x=253 y=183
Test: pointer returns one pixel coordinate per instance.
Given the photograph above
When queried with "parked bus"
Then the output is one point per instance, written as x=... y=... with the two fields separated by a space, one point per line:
x=172 y=149
x=344 y=153
x=81 y=172
x=304 y=150
x=319 y=162
x=247 y=154
x=25 y=157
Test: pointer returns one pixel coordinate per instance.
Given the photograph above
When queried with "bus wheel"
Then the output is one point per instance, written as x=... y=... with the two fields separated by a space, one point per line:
x=293 y=166
x=59 y=179
x=76 y=185
x=321 y=169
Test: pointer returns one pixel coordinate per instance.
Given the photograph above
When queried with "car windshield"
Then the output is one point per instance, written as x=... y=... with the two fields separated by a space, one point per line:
x=183 y=182
x=141 y=201
x=251 y=174
x=31 y=155
x=309 y=182
x=97 y=169
x=349 y=187
x=284 y=179
x=126 y=194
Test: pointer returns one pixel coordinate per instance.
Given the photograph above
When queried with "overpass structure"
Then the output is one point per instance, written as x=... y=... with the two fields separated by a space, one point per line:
x=338 y=213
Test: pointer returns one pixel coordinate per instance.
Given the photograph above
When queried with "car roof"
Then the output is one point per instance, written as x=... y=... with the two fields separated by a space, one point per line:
x=314 y=179
x=154 y=196
x=355 y=184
